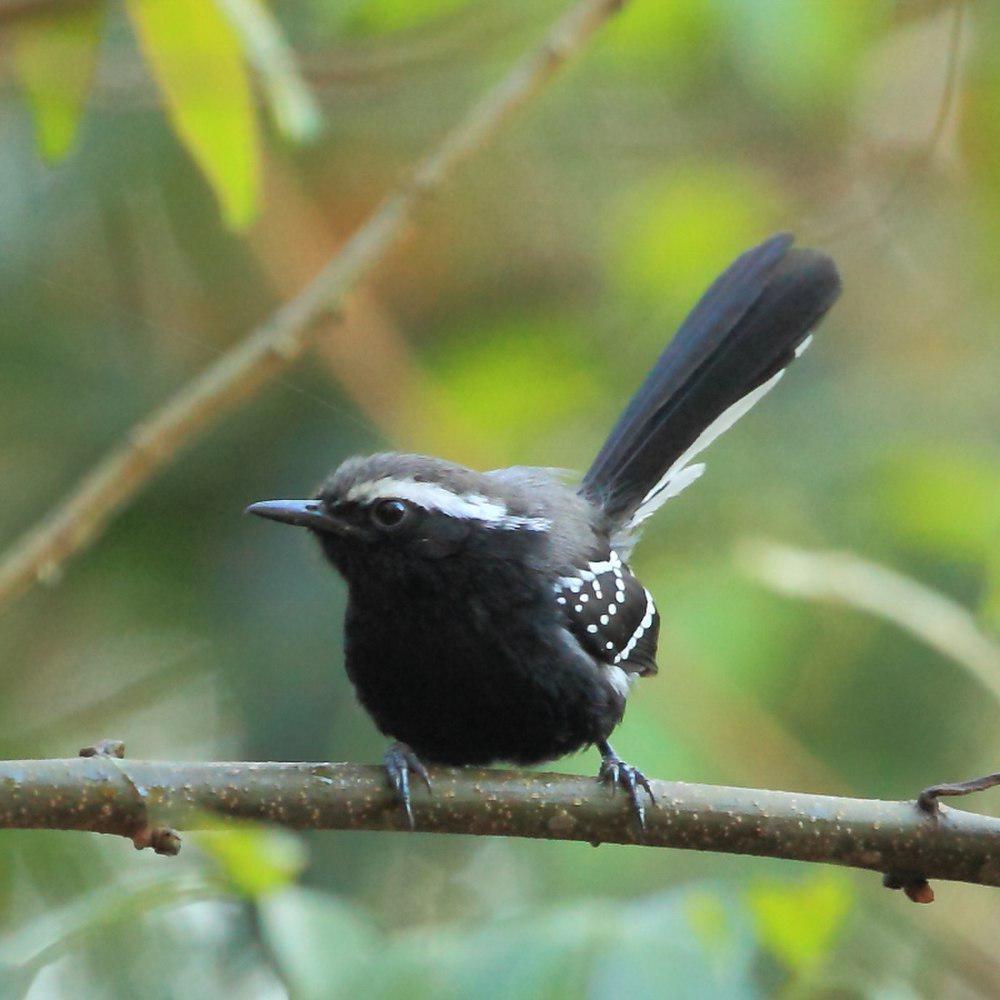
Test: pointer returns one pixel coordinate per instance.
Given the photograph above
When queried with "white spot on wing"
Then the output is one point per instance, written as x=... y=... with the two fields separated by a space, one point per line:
x=640 y=629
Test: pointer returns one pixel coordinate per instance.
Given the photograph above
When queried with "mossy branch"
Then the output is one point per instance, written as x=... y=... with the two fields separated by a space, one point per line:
x=146 y=800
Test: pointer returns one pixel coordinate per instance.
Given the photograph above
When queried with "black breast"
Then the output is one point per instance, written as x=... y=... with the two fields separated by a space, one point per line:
x=471 y=662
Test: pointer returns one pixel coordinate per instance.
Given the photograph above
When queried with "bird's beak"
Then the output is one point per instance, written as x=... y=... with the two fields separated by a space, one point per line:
x=303 y=513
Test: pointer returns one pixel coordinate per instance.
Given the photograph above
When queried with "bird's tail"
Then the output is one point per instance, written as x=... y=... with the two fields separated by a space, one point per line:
x=731 y=350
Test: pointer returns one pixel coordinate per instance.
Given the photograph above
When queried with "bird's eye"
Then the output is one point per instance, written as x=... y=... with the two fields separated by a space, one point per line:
x=390 y=514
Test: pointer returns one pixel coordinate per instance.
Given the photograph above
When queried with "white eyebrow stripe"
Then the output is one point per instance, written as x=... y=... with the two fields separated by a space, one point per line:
x=433 y=496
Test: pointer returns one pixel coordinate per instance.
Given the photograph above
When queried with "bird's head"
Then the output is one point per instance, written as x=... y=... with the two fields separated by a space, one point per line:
x=395 y=510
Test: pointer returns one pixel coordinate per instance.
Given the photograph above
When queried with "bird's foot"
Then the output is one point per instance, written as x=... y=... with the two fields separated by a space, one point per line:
x=928 y=798
x=399 y=761
x=615 y=772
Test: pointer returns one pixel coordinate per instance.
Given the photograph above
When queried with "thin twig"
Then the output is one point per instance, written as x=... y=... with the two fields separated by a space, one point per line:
x=236 y=376
x=12 y=11
x=108 y=795
x=920 y=158
x=859 y=583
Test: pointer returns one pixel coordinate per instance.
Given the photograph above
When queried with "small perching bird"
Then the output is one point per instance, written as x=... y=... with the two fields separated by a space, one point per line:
x=493 y=616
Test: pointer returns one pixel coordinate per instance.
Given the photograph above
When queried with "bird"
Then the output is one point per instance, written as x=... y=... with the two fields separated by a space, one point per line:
x=494 y=616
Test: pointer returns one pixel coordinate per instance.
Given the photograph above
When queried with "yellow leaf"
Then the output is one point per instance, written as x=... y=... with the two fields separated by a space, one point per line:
x=383 y=16
x=54 y=59
x=195 y=57
x=798 y=923
x=673 y=233
x=256 y=859
x=651 y=30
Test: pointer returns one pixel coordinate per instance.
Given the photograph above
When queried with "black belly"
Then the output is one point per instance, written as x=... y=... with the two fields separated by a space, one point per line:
x=474 y=685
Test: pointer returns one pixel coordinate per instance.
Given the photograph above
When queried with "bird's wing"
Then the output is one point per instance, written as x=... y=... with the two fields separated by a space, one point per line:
x=610 y=613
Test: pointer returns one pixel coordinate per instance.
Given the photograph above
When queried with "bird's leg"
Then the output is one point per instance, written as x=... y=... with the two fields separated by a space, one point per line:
x=398 y=761
x=614 y=771
x=928 y=798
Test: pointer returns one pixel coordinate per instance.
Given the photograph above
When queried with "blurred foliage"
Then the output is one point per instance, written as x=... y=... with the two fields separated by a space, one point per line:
x=198 y=55
x=254 y=859
x=799 y=923
x=54 y=59
x=722 y=206
x=195 y=56
x=171 y=172
x=796 y=64
x=379 y=16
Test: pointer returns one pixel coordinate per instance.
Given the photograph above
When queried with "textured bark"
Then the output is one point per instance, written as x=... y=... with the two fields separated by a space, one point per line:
x=142 y=799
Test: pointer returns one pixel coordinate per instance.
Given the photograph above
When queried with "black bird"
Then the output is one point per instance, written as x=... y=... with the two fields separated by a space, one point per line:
x=493 y=616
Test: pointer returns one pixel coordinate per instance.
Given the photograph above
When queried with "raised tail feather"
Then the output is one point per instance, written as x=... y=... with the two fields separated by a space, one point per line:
x=729 y=352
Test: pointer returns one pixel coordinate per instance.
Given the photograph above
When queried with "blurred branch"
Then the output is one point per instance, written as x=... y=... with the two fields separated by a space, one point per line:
x=848 y=579
x=921 y=157
x=135 y=692
x=136 y=798
x=18 y=10
x=238 y=374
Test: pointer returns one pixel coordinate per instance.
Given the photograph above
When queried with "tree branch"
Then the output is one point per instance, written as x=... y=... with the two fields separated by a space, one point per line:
x=274 y=345
x=139 y=799
x=21 y=10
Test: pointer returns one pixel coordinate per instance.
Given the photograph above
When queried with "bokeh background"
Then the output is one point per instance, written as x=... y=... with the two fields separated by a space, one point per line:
x=150 y=216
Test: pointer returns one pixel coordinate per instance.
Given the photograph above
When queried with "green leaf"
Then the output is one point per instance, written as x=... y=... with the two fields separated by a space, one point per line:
x=596 y=948
x=295 y=110
x=672 y=234
x=702 y=937
x=710 y=920
x=54 y=60
x=195 y=57
x=319 y=941
x=61 y=929
x=798 y=923
x=382 y=16
x=944 y=502
x=256 y=859
x=651 y=33
x=806 y=55
x=515 y=379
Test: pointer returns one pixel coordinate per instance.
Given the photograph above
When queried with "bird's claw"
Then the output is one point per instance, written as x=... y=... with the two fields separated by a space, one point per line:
x=398 y=761
x=615 y=772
